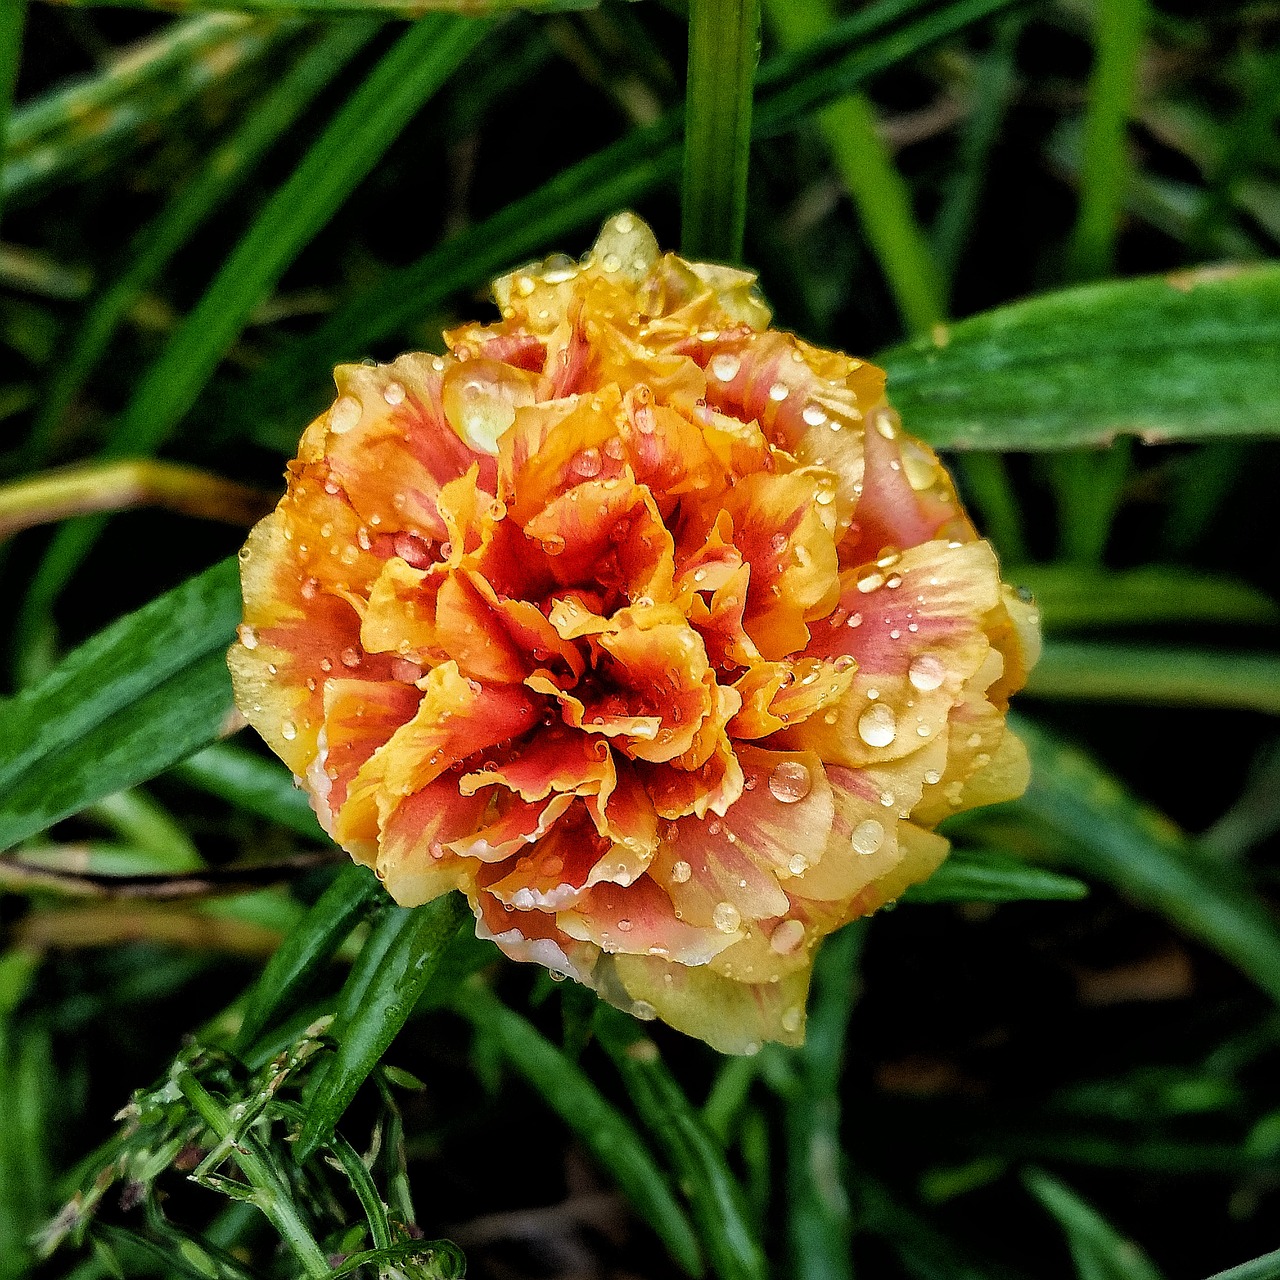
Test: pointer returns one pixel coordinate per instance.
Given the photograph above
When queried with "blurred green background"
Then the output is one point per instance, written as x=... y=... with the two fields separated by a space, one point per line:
x=1056 y=225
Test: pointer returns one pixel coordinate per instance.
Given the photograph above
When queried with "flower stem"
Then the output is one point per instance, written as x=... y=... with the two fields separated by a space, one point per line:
x=724 y=47
x=269 y=1193
x=118 y=486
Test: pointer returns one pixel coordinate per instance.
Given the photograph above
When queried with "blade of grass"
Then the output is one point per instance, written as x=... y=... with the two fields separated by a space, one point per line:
x=392 y=971
x=992 y=90
x=1088 y=491
x=1072 y=597
x=125 y=705
x=865 y=165
x=13 y=14
x=717 y=1204
x=1109 y=835
x=819 y=1220
x=59 y=135
x=985 y=480
x=226 y=169
x=586 y=192
x=1121 y=32
x=1184 y=357
x=253 y=783
x=350 y=146
x=1099 y=1251
x=724 y=46
x=970 y=875
x=1144 y=675
x=604 y=1131
x=1266 y=1267
x=309 y=946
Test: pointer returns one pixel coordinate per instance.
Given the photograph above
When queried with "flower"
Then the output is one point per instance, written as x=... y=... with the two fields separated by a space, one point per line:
x=641 y=623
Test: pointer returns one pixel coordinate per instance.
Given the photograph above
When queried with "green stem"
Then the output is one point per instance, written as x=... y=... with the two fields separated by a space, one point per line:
x=724 y=47
x=1104 y=173
x=879 y=193
x=12 y=19
x=269 y=1195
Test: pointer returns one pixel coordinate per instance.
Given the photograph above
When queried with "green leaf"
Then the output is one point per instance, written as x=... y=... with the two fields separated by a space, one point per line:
x=716 y=1200
x=253 y=783
x=60 y=134
x=819 y=1219
x=867 y=43
x=1266 y=1267
x=1182 y=357
x=309 y=946
x=350 y=146
x=392 y=971
x=221 y=175
x=1099 y=1251
x=724 y=46
x=1079 y=596
x=139 y=696
x=1145 y=675
x=13 y=15
x=607 y=1134
x=1104 y=172
x=970 y=875
x=1107 y=834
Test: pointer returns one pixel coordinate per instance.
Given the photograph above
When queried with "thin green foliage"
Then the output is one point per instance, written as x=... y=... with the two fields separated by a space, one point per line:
x=724 y=45
x=1098 y=1250
x=867 y=171
x=1154 y=675
x=717 y=1204
x=1121 y=29
x=396 y=963
x=970 y=875
x=1266 y=1267
x=13 y=15
x=61 y=134
x=227 y=168
x=603 y=1130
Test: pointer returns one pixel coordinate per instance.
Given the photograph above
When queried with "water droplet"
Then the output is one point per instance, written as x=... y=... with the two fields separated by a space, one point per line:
x=814 y=415
x=867 y=837
x=797 y=864
x=248 y=635
x=725 y=366
x=726 y=917
x=926 y=672
x=624 y=926
x=680 y=872
x=480 y=399
x=869 y=579
x=877 y=725
x=787 y=937
x=932 y=777
x=345 y=414
x=393 y=393
x=779 y=392
x=553 y=544
x=855 y=620
x=587 y=463
x=288 y=730
x=350 y=657
x=792 y=1018
x=790 y=781
x=845 y=662
x=885 y=425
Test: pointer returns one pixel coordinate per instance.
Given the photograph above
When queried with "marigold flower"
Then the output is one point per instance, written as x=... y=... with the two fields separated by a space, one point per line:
x=641 y=623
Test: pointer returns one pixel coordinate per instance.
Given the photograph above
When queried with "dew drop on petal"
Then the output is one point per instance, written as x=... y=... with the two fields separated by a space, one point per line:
x=867 y=837
x=926 y=672
x=726 y=917
x=790 y=781
x=787 y=937
x=797 y=864
x=869 y=579
x=932 y=777
x=680 y=872
x=877 y=725
x=350 y=657
x=345 y=414
x=248 y=635
x=587 y=463
x=288 y=730
x=792 y=1018
x=814 y=415
x=725 y=366
x=393 y=393
x=779 y=392
x=643 y=1010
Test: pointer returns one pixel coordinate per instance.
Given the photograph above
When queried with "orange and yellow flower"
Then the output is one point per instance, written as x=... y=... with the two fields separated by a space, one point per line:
x=642 y=624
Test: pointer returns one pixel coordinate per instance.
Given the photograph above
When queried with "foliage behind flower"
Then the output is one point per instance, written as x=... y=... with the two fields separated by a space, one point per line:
x=642 y=624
